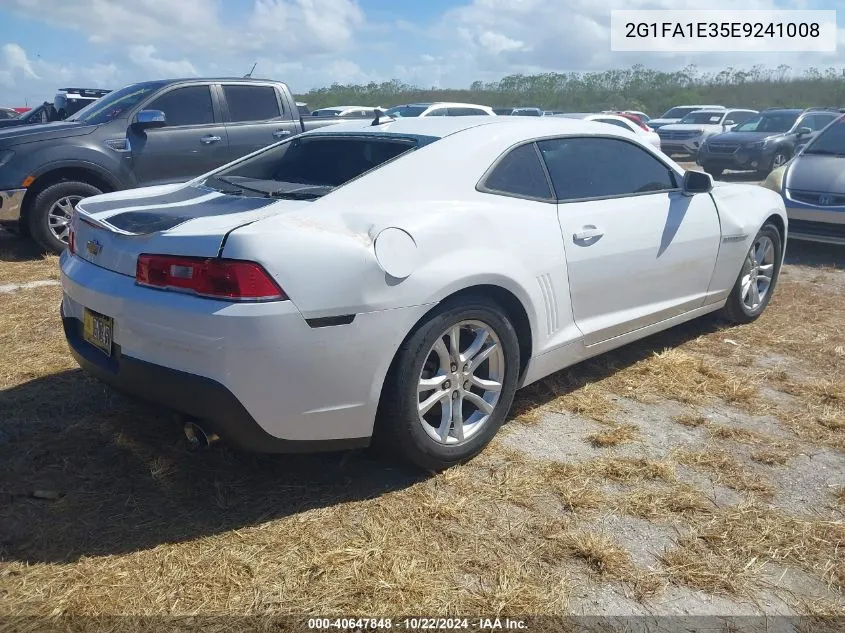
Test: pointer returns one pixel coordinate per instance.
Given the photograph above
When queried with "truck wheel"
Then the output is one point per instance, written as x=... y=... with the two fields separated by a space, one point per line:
x=713 y=171
x=49 y=220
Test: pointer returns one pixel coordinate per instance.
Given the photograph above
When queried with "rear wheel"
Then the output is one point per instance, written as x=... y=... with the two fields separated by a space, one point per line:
x=450 y=386
x=757 y=278
x=49 y=220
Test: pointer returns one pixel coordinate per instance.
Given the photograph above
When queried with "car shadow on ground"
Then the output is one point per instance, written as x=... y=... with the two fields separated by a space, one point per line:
x=16 y=248
x=88 y=472
x=814 y=254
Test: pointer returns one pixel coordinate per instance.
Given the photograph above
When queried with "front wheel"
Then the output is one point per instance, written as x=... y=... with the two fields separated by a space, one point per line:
x=779 y=159
x=49 y=220
x=450 y=386
x=713 y=171
x=757 y=278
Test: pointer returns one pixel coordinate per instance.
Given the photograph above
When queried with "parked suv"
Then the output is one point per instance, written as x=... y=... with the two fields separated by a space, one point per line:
x=812 y=188
x=687 y=135
x=149 y=133
x=673 y=115
x=764 y=142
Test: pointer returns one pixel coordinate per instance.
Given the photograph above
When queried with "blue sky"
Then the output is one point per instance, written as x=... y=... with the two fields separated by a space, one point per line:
x=46 y=44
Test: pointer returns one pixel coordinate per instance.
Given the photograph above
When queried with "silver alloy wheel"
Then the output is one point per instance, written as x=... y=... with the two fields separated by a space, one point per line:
x=778 y=161
x=757 y=272
x=460 y=382
x=58 y=217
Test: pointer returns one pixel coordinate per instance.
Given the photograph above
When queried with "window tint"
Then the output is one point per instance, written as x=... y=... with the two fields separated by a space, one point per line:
x=595 y=167
x=251 y=103
x=817 y=121
x=185 y=106
x=328 y=161
x=466 y=112
x=520 y=173
x=624 y=126
x=438 y=112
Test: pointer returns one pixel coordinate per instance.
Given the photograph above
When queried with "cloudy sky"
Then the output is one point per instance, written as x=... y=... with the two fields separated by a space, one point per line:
x=47 y=44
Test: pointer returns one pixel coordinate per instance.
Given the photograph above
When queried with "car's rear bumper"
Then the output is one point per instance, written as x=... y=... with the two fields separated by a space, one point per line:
x=11 y=201
x=251 y=371
x=196 y=396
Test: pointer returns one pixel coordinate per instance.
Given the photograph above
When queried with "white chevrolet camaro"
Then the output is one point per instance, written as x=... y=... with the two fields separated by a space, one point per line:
x=397 y=281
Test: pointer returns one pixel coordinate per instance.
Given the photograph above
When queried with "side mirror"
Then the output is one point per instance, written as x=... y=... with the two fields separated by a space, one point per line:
x=150 y=119
x=697 y=182
x=803 y=131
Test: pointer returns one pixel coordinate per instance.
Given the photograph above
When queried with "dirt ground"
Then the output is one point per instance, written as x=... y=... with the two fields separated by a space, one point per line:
x=698 y=472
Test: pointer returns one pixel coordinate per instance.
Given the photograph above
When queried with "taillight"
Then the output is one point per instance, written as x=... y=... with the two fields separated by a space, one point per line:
x=226 y=279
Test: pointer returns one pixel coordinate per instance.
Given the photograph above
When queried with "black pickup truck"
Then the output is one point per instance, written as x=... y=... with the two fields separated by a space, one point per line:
x=149 y=133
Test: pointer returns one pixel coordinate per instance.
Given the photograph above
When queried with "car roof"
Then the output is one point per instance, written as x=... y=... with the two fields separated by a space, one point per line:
x=514 y=128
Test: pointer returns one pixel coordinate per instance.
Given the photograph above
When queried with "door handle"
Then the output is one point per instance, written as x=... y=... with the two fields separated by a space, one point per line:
x=281 y=133
x=588 y=232
x=208 y=140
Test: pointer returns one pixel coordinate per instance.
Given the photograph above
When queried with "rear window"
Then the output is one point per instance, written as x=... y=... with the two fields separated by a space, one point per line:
x=252 y=103
x=310 y=166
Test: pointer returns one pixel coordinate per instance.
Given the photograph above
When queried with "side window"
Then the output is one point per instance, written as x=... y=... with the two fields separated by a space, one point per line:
x=520 y=173
x=438 y=112
x=251 y=103
x=614 y=122
x=465 y=112
x=817 y=122
x=592 y=167
x=185 y=106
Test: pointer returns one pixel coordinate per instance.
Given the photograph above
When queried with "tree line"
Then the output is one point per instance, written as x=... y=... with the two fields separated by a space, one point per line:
x=635 y=88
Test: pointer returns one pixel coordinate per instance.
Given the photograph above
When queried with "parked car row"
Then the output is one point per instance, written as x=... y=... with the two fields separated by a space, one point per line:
x=221 y=298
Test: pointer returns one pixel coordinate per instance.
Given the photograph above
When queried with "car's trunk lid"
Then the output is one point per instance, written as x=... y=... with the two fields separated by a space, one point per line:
x=193 y=221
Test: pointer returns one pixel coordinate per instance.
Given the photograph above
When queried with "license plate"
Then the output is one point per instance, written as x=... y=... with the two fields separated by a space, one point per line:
x=98 y=330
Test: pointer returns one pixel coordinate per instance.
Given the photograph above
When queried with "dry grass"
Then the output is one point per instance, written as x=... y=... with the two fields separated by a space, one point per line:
x=726 y=471
x=614 y=436
x=20 y=261
x=665 y=503
x=130 y=523
x=691 y=420
x=745 y=536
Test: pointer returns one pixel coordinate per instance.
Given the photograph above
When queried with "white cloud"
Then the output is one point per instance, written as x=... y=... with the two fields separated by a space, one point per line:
x=14 y=60
x=144 y=56
x=306 y=26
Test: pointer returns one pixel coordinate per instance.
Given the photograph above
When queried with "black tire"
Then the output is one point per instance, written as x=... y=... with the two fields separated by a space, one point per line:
x=399 y=431
x=713 y=171
x=779 y=158
x=735 y=310
x=38 y=221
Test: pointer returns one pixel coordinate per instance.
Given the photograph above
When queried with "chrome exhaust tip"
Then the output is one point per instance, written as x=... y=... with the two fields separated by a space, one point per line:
x=198 y=437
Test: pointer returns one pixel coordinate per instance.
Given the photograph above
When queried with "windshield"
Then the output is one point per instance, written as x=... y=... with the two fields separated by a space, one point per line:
x=7 y=114
x=116 y=104
x=678 y=113
x=710 y=118
x=308 y=167
x=406 y=110
x=774 y=122
x=528 y=112
x=830 y=142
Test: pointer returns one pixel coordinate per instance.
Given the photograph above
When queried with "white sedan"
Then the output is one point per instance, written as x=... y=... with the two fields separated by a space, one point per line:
x=646 y=133
x=399 y=281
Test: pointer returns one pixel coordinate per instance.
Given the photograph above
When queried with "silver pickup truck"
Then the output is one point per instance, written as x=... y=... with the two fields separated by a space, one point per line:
x=149 y=133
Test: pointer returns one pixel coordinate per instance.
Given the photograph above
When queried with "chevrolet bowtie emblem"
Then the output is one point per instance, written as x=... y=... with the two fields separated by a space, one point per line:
x=94 y=247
